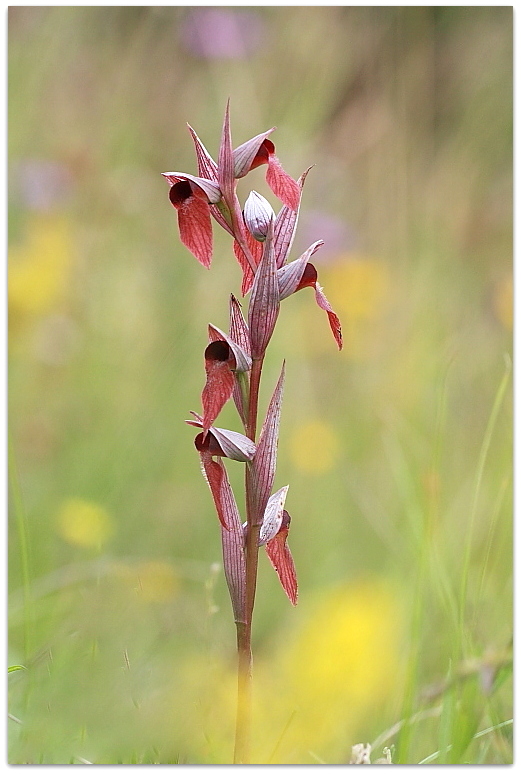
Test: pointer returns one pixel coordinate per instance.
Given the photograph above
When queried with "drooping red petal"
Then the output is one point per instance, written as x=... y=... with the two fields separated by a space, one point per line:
x=214 y=472
x=265 y=461
x=310 y=279
x=219 y=381
x=264 y=302
x=286 y=226
x=282 y=185
x=195 y=228
x=282 y=561
x=334 y=322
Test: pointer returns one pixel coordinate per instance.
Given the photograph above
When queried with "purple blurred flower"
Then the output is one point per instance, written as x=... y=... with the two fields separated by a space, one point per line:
x=338 y=237
x=222 y=33
x=41 y=185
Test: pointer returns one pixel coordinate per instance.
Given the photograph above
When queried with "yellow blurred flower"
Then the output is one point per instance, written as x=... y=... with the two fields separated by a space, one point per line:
x=39 y=268
x=503 y=302
x=153 y=581
x=341 y=664
x=314 y=447
x=83 y=523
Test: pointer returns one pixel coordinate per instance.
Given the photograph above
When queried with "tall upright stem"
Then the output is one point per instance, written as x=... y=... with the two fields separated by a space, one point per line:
x=244 y=666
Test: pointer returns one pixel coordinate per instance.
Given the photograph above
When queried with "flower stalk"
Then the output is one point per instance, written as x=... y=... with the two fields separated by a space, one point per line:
x=233 y=364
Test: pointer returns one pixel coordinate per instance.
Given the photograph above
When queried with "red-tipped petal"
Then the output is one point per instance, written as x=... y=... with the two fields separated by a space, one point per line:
x=272 y=520
x=282 y=561
x=286 y=226
x=195 y=228
x=219 y=381
x=282 y=185
x=225 y=169
x=265 y=461
x=309 y=279
x=264 y=302
x=206 y=165
x=250 y=154
x=334 y=322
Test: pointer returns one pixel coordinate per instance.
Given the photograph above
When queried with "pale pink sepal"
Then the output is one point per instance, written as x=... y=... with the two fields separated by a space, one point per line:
x=244 y=155
x=230 y=444
x=234 y=561
x=238 y=328
x=225 y=171
x=240 y=334
x=211 y=190
x=272 y=520
x=208 y=170
x=290 y=275
x=264 y=302
x=206 y=165
x=265 y=461
x=257 y=213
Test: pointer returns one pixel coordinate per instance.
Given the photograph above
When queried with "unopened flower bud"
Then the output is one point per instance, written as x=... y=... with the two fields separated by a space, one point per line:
x=257 y=215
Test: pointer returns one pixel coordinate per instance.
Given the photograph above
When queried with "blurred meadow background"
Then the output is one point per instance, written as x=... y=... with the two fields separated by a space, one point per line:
x=398 y=450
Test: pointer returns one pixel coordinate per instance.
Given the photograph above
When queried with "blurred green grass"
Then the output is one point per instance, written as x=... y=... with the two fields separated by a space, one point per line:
x=120 y=614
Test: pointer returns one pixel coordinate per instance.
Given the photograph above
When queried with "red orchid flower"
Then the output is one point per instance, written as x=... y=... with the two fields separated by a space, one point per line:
x=218 y=443
x=222 y=358
x=301 y=274
x=191 y=196
x=273 y=536
x=234 y=164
